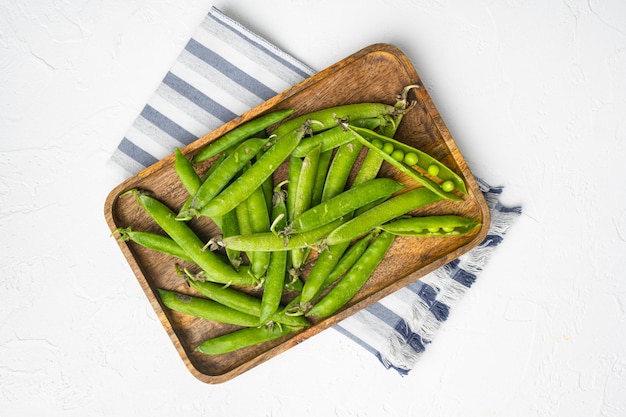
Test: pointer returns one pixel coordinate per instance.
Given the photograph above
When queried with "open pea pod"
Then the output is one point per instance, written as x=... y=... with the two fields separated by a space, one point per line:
x=424 y=161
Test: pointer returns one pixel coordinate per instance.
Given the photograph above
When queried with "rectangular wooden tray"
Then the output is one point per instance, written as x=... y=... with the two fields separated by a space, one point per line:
x=374 y=74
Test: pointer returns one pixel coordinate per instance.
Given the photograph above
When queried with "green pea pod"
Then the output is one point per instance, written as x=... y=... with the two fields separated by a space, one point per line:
x=254 y=177
x=277 y=270
x=345 y=203
x=424 y=161
x=240 y=133
x=349 y=258
x=320 y=177
x=293 y=173
x=303 y=197
x=323 y=266
x=186 y=172
x=334 y=137
x=271 y=242
x=330 y=265
x=241 y=301
x=193 y=185
x=354 y=280
x=340 y=169
x=212 y=265
x=220 y=178
x=242 y=338
x=444 y=225
x=205 y=309
x=154 y=241
x=329 y=117
x=229 y=225
x=259 y=222
x=382 y=213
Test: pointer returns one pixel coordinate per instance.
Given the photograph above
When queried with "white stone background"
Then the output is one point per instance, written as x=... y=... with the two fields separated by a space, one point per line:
x=534 y=93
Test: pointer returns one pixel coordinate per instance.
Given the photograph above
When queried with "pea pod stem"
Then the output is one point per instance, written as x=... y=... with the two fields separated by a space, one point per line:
x=240 y=133
x=389 y=129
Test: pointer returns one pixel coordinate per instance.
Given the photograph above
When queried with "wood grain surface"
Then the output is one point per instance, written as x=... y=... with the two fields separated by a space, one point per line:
x=374 y=74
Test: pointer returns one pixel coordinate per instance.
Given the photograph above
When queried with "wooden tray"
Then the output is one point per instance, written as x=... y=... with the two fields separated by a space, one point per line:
x=375 y=74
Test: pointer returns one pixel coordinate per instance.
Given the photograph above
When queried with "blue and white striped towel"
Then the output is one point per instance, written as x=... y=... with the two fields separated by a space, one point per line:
x=224 y=70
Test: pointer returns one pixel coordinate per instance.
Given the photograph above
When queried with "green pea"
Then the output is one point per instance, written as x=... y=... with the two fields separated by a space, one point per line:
x=377 y=144
x=388 y=148
x=398 y=155
x=447 y=186
x=433 y=170
x=410 y=158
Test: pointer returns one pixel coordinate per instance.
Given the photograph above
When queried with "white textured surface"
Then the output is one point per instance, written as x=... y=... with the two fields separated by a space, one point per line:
x=534 y=93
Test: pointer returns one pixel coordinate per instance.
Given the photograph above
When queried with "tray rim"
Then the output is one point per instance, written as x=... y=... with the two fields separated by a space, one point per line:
x=298 y=338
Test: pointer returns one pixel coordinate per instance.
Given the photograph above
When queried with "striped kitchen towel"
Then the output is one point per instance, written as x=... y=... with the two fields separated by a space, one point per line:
x=223 y=71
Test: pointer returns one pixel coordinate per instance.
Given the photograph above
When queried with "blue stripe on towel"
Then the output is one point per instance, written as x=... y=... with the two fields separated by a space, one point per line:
x=222 y=65
x=197 y=97
x=250 y=37
x=167 y=125
x=136 y=153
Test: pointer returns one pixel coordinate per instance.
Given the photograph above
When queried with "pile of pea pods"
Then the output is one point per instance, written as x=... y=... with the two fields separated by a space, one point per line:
x=268 y=230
